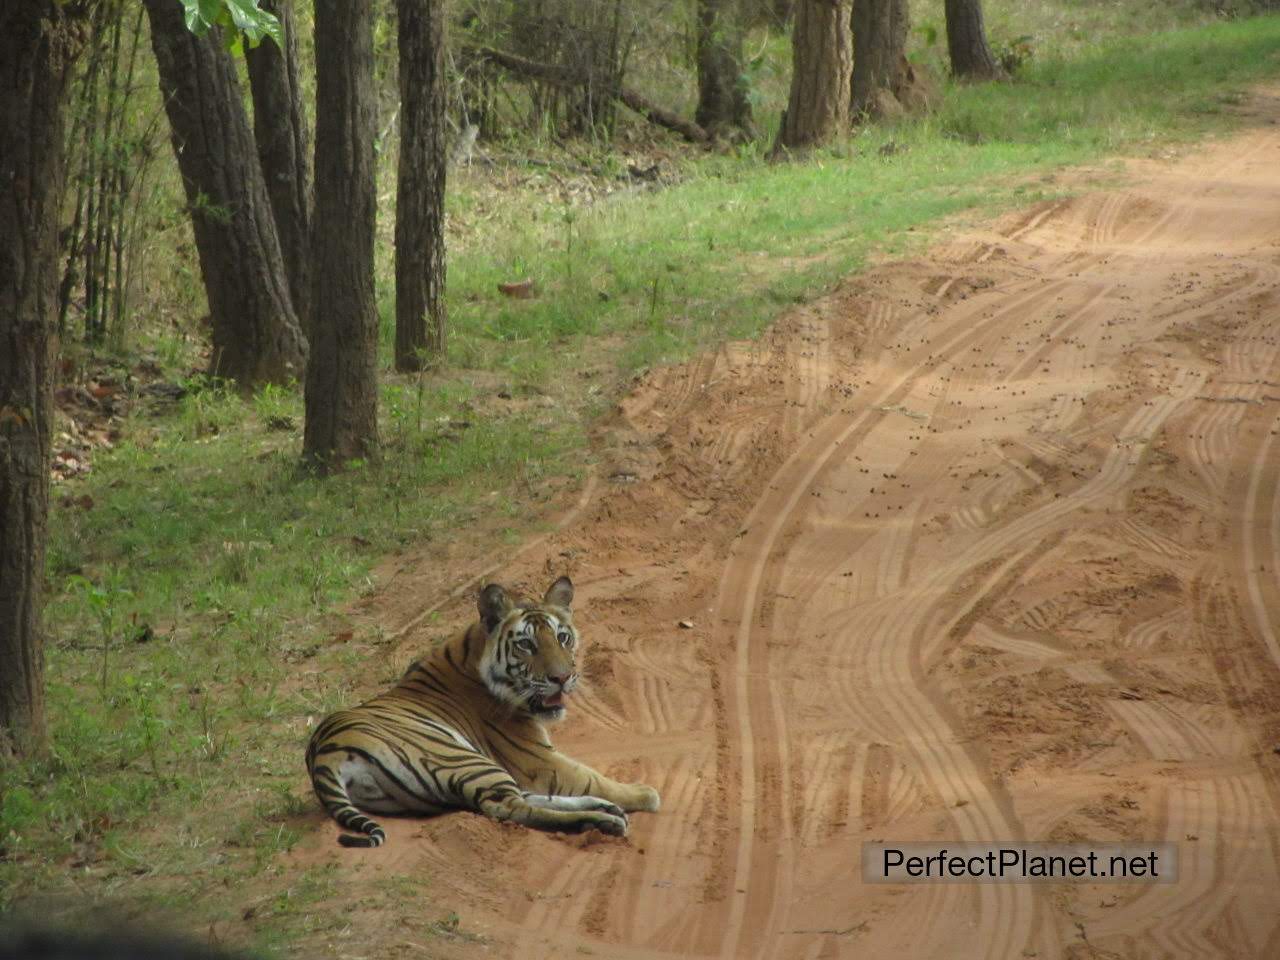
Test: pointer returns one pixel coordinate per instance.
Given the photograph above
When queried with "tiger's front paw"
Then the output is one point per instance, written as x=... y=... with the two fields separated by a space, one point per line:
x=615 y=826
x=644 y=798
x=595 y=803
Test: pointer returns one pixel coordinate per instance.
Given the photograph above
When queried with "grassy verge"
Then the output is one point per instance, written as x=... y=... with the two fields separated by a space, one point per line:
x=191 y=616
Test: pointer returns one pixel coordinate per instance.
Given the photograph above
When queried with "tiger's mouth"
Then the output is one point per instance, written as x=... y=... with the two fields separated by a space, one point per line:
x=547 y=704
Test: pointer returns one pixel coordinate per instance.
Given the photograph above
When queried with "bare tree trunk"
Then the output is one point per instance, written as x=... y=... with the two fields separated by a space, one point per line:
x=38 y=42
x=280 y=131
x=818 y=108
x=256 y=337
x=967 y=42
x=880 y=69
x=342 y=376
x=420 y=262
x=723 y=107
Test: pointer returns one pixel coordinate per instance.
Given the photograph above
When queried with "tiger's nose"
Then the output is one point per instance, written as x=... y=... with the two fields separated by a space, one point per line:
x=561 y=679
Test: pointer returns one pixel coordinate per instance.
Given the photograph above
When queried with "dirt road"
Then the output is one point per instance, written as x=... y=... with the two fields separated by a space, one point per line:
x=985 y=546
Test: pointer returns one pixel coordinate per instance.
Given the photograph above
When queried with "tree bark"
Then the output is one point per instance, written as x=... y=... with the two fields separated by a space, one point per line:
x=881 y=73
x=723 y=106
x=420 y=260
x=280 y=131
x=256 y=337
x=967 y=42
x=822 y=50
x=38 y=41
x=342 y=376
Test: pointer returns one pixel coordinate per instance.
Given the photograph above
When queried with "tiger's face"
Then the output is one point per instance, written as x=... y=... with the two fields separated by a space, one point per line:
x=529 y=657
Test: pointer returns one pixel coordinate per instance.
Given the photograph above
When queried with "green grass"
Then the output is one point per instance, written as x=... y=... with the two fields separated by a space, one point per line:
x=191 y=618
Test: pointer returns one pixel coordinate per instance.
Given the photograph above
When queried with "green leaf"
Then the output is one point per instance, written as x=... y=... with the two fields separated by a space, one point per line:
x=253 y=22
x=201 y=15
x=242 y=18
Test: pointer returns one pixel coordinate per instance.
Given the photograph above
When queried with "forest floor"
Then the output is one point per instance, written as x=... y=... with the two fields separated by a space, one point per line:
x=983 y=546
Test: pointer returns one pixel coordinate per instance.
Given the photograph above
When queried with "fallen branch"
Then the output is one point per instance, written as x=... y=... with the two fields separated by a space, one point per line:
x=565 y=77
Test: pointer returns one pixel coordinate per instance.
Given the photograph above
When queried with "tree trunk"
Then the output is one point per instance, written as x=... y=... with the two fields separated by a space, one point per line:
x=420 y=264
x=342 y=376
x=881 y=73
x=967 y=41
x=821 y=48
x=38 y=41
x=280 y=131
x=723 y=107
x=256 y=338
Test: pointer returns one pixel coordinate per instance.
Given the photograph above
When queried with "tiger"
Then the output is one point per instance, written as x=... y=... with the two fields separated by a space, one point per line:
x=466 y=728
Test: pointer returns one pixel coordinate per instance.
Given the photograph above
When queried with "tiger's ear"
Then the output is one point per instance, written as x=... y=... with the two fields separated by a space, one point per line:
x=560 y=593
x=494 y=605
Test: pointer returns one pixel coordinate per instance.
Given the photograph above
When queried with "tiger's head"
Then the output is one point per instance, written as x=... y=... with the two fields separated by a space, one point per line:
x=528 y=658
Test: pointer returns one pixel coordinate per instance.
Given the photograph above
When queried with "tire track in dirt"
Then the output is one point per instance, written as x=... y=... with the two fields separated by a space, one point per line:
x=1068 y=320
x=1009 y=911
x=744 y=574
x=1262 y=544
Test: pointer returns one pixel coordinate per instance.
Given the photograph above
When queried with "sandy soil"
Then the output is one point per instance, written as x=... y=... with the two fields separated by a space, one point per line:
x=985 y=546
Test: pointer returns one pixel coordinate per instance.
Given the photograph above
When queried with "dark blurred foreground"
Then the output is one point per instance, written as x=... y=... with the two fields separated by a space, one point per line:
x=31 y=943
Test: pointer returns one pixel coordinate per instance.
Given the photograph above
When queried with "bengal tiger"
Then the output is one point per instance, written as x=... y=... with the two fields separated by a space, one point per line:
x=466 y=728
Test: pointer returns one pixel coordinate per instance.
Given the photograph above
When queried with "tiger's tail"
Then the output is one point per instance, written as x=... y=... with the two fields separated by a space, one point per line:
x=332 y=793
